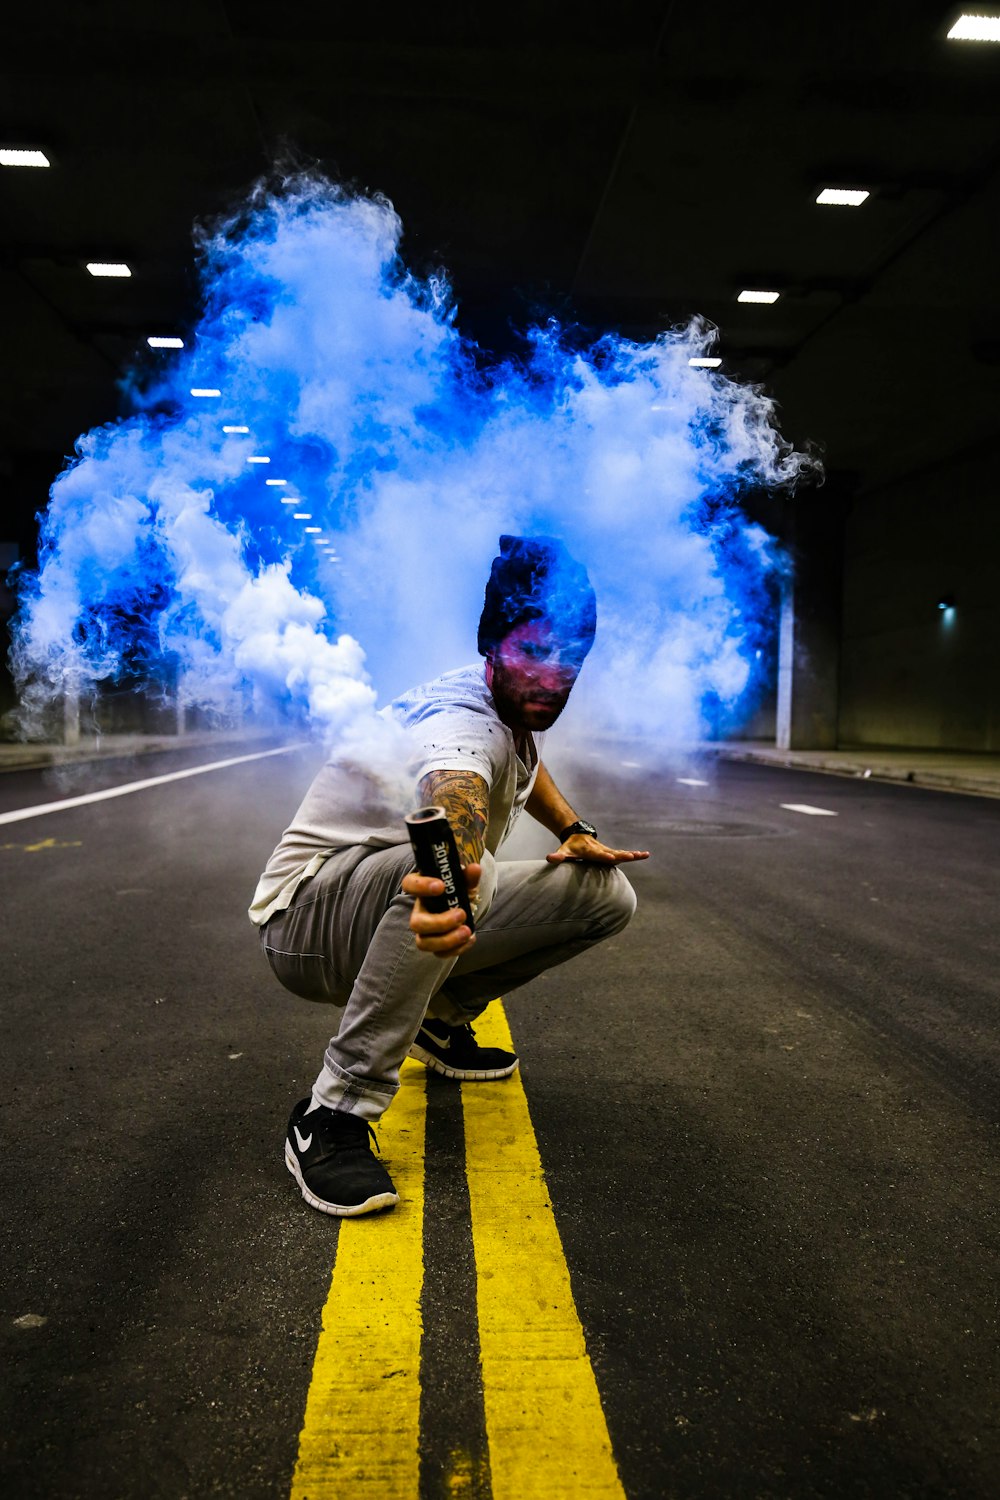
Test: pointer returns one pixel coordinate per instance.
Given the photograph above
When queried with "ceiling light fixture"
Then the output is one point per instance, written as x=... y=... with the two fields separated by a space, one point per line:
x=752 y=296
x=236 y=429
x=108 y=268
x=302 y=515
x=705 y=364
x=155 y=341
x=975 y=29
x=258 y=458
x=314 y=531
x=290 y=500
x=275 y=481
x=16 y=156
x=205 y=390
x=844 y=197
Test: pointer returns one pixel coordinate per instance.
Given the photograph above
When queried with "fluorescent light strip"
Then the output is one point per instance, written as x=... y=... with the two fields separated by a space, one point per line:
x=302 y=515
x=704 y=364
x=314 y=531
x=236 y=429
x=275 y=481
x=291 y=500
x=751 y=296
x=16 y=156
x=844 y=197
x=156 y=342
x=258 y=458
x=975 y=29
x=108 y=268
x=205 y=390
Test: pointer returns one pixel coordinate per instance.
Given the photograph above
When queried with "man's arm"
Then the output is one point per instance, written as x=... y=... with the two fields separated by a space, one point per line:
x=465 y=798
x=548 y=806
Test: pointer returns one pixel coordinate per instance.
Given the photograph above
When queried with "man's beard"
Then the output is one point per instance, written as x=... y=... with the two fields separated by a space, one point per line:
x=513 y=703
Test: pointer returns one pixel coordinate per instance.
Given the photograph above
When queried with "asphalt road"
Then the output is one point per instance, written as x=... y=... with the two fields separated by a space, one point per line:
x=768 y=1115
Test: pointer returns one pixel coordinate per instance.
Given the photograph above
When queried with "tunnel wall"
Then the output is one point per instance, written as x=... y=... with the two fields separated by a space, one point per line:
x=911 y=675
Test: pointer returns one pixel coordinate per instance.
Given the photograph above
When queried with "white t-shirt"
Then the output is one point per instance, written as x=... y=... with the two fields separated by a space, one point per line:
x=450 y=724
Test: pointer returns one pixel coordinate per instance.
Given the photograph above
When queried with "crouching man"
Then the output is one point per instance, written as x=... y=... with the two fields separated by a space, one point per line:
x=339 y=905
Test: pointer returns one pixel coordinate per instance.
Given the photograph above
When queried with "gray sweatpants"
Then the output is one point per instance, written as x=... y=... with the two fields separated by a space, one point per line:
x=346 y=939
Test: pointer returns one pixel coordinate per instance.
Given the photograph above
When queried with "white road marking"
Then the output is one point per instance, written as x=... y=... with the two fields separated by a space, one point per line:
x=21 y=813
x=633 y=765
x=803 y=807
x=690 y=781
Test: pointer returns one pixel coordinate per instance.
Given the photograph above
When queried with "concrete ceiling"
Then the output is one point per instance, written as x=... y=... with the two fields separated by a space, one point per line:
x=622 y=167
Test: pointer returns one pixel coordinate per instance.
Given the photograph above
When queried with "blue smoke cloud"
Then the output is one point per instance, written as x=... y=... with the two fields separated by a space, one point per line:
x=317 y=536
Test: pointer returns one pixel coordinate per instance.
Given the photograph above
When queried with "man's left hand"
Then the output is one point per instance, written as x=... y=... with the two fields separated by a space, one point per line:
x=585 y=849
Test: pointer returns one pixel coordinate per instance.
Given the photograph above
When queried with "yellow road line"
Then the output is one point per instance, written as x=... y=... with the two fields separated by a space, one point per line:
x=544 y=1422
x=361 y=1432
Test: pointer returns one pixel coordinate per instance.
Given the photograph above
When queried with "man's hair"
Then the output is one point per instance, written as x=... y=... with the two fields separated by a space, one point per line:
x=534 y=578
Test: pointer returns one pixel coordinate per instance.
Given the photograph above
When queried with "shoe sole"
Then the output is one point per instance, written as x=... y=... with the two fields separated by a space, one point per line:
x=340 y=1210
x=466 y=1075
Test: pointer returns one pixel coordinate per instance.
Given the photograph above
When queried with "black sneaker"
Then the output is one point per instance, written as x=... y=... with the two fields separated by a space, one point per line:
x=454 y=1052
x=328 y=1154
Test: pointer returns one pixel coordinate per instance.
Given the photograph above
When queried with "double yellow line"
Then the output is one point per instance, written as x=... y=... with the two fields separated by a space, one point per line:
x=545 y=1426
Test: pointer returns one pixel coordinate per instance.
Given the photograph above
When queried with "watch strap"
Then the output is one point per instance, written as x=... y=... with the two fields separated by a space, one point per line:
x=580 y=826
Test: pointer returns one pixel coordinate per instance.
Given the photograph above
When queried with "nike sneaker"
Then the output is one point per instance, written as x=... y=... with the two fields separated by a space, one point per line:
x=329 y=1154
x=454 y=1052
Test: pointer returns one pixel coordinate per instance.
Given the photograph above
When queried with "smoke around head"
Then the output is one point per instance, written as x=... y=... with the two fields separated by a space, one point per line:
x=317 y=536
x=535 y=577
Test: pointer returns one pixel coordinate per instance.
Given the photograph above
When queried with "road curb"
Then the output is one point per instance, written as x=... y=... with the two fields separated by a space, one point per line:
x=907 y=774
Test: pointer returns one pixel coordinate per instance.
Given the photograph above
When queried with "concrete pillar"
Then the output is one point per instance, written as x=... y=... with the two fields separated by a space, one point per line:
x=809 y=626
x=808 y=667
x=786 y=654
x=71 y=714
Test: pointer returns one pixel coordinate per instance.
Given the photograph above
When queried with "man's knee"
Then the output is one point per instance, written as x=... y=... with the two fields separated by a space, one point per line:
x=618 y=902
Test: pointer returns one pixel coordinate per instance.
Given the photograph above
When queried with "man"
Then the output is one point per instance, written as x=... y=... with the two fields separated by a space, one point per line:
x=339 y=905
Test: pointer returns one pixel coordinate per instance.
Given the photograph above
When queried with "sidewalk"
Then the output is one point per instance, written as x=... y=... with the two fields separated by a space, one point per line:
x=32 y=757
x=944 y=770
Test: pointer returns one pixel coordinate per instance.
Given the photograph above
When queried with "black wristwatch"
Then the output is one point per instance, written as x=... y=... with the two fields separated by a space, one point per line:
x=578 y=827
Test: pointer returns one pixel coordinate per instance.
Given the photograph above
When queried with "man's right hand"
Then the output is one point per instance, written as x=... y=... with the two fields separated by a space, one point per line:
x=443 y=933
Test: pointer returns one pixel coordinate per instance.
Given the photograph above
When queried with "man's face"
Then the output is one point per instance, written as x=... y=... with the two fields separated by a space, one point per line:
x=530 y=674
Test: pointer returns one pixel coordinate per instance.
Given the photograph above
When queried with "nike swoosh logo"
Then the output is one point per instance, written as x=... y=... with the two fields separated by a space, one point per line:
x=304 y=1141
x=438 y=1041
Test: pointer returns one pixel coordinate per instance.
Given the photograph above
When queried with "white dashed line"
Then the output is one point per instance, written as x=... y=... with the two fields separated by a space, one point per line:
x=803 y=807
x=22 y=813
x=690 y=781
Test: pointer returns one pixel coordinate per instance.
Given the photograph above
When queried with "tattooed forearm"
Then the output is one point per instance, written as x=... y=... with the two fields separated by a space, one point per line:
x=465 y=798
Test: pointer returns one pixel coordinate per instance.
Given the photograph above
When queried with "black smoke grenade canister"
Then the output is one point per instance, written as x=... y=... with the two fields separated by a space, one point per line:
x=436 y=853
